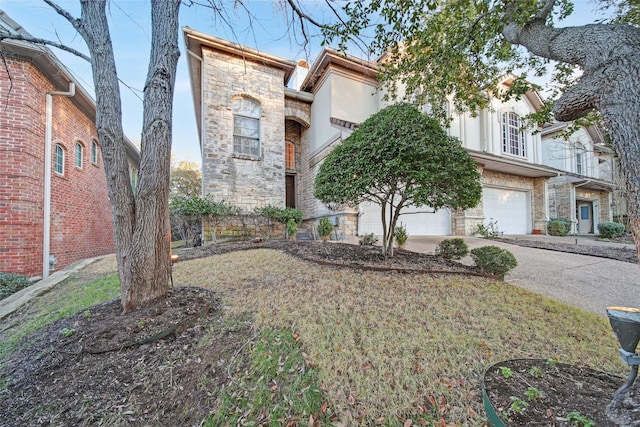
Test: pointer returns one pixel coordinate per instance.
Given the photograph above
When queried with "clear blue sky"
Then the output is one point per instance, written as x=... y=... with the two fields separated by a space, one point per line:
x=130 y=31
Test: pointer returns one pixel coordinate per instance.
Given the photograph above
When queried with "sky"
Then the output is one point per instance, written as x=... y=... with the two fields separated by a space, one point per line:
x=130 y=31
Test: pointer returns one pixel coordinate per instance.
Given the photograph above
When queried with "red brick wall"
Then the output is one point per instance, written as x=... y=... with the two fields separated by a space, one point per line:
x=81 y=222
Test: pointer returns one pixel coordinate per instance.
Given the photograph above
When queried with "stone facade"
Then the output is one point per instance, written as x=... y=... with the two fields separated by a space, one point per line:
x=244 y=181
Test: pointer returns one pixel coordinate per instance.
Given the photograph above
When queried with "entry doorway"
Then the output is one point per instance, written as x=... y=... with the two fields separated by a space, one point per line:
x=584 y=214
x=290 y=184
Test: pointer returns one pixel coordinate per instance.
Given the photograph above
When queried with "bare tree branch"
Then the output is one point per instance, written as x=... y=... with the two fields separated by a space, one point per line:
x=37 y=40
x=546 y=10
x=6 y=67
x=77 y=23
x=302 y=15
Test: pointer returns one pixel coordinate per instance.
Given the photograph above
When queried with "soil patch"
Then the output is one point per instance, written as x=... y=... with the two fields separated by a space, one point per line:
x=149 y=367
x=341 y=255
x=551 y=392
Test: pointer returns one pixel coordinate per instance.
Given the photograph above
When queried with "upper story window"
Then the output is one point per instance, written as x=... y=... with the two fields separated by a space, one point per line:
x=246 y=127
x=59 y=160
x=290 y=155
x=94 y=152
x=512 y=135
x=79 y=153
x=580 y=158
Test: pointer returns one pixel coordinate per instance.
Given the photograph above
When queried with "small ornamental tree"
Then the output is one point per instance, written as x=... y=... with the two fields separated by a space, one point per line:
x=399 y=157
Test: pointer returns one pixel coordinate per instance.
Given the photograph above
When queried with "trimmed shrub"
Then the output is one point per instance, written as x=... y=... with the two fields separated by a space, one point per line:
x=325 y=228
x=401 y=236
x=292 y=228
x=10 y=283
x=610 y=229
x=494 y=260
x=558 y=227
x=368 y=240
x=453 y=248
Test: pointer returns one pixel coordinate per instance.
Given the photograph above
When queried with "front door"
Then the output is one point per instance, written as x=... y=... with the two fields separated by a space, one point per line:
x=291 y=191
x=585 y=217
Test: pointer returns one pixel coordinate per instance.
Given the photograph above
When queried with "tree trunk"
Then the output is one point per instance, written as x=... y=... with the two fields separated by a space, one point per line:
x=610 y=59
x=141 y=222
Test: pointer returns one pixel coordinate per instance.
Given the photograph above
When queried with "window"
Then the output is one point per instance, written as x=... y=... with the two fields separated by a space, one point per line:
x=59 y=162
x=79 y=151
x=512 y=135
x=94 y=152
x=246 y=127
x=290 y=155
x=580 y=166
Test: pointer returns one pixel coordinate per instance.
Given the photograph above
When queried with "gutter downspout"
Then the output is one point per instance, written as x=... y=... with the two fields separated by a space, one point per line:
x=48 y=130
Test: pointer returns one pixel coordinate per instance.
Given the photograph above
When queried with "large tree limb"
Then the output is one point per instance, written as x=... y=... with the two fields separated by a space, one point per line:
x=40 y=41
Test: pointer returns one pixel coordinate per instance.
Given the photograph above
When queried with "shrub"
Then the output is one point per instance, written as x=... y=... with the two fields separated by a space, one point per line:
x=292 y=228
x=453 y=248
x=559 y=227
x=610 y=229
x=401 y=236
x=494 y=260
x=325 y=228
x=10 y=283
x=368 y=240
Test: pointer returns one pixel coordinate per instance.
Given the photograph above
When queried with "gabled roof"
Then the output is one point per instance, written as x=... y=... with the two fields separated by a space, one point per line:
x=55 y=71
x=329 y=57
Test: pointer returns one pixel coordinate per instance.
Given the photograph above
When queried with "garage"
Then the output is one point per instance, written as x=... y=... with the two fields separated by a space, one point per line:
x=510 y=208
x=419 y=221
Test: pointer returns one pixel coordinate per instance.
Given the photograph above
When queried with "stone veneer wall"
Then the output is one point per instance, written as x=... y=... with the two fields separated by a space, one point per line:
x=241 y=180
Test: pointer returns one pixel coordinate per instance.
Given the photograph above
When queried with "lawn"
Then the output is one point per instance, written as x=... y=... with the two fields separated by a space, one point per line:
x=384 y=348
x=390 y=347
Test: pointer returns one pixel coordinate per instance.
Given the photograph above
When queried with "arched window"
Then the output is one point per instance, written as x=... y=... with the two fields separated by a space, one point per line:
x=512 y=135
x=246 y=127
x=59 y=160
x=94 y=151
x=79 y=154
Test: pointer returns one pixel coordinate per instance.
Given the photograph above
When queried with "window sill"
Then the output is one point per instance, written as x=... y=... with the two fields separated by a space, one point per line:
x=246 y=157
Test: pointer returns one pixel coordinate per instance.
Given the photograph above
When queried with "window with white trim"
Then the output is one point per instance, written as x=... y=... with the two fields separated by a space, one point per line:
x=59 y=160
x=94 y=151
x=246 y=127
x=79 y=153
x=580 y=166
x=513 y=142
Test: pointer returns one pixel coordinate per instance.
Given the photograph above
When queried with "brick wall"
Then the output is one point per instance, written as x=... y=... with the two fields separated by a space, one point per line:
x=81 y=224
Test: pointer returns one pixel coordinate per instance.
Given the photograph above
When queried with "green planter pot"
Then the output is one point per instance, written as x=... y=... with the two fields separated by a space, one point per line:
x=492 y=416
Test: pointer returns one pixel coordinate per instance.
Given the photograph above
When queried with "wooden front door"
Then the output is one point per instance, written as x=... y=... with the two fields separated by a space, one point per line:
x=291 y=191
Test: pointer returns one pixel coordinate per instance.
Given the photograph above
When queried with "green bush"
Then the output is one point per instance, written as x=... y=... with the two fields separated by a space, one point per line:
x=292 y=228
x=325 y=228
x=10 y=283
x=453 y=248
x=368 y=240
x=280 y=215
x=494 y=260
x=401 y=235
x=610 y=229
x=558 y=227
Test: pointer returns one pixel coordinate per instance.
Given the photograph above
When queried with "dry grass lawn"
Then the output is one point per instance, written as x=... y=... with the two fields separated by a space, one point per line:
x=393 y=346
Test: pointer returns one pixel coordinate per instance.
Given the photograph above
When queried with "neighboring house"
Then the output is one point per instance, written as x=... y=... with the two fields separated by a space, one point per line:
x=583 y=194
x=267 y=123
x=54 y=204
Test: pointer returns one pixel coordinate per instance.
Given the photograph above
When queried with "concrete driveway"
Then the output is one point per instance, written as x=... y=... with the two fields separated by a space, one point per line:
x=587 y=282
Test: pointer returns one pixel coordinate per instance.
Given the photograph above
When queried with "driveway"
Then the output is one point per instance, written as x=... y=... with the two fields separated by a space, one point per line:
x=584 y=281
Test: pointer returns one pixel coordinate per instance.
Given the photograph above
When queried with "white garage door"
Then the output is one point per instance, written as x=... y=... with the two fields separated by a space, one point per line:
x=510 y=208
x=419 y=221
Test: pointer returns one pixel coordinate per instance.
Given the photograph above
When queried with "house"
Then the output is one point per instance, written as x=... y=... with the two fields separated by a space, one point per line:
x=54 y=204
x=267 y=123
x=584 y=192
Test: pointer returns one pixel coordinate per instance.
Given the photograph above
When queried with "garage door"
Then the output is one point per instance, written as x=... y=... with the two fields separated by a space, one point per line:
x=510 y=208
x=419 y=221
